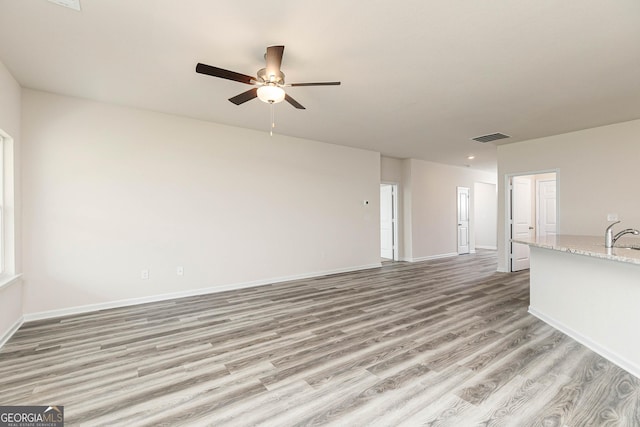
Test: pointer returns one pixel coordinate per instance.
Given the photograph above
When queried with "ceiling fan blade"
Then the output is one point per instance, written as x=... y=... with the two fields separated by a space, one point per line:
x=315 y=84
x=245 y=96
x=224 y=74
x=274 y=60
x=293 y=102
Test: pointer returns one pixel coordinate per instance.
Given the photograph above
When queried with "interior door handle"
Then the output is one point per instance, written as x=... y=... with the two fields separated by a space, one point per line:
x=530 y=228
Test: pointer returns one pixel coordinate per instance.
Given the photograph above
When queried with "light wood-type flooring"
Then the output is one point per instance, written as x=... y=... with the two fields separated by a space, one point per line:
x=446 y=342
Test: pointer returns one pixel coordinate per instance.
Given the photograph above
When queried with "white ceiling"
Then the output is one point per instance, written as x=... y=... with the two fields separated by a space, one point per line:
x=419 y=77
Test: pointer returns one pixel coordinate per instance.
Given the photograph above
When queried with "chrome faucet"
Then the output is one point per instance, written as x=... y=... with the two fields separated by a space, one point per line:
x=610 y=239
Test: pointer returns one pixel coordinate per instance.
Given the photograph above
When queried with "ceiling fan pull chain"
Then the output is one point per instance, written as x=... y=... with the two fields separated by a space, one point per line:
x=273 y=120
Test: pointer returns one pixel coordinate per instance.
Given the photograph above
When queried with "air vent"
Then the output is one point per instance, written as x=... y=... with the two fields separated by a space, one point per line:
x=490 y=137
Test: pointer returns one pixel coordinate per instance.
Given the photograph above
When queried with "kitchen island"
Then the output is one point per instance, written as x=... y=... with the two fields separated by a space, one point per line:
x=590 y=293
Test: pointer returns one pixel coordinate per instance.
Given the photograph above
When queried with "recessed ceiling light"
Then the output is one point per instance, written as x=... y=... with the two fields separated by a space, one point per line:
x=471 y=157
x=71 y=4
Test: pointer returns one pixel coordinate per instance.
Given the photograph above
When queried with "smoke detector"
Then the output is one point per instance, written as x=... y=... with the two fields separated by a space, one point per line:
x=71 y=4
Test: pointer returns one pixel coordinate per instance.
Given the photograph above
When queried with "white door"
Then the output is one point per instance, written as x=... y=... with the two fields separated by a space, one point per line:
x=386 y=221
x=463 y=220
x=546 y=208
x=521 y=221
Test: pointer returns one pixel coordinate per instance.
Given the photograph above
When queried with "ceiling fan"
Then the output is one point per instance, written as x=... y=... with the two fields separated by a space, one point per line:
x=269 y=80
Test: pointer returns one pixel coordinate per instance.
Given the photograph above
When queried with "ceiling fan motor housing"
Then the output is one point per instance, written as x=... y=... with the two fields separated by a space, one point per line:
x=273 y=77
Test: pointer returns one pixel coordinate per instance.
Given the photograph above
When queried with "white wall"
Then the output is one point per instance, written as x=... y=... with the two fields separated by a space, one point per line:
x=486 y=215
x=407 y=210
x=11 y=293
x=431 y=209
x=596 y=175
x=391 y=170
x=110 y=191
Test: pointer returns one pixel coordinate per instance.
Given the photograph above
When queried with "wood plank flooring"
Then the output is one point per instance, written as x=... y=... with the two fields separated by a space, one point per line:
x=447 y=342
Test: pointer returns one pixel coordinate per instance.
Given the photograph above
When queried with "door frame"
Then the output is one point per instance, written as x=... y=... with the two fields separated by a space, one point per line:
x=507 y=208
x=394 y=203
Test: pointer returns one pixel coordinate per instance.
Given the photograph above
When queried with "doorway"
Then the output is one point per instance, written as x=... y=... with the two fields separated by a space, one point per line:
x=533 y=212
x=388 y=222
x=463 y=220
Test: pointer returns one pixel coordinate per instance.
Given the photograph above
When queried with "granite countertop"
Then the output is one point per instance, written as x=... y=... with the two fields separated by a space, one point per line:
x=592 y=246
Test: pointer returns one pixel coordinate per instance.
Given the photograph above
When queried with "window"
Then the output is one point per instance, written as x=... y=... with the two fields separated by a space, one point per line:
x=7 y=207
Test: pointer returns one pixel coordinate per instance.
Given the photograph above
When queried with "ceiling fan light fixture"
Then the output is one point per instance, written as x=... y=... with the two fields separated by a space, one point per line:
x=271 y=94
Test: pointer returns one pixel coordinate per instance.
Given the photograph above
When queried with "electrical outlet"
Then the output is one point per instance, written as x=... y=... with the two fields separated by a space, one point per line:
x=612 y=217
x=144 y=275
x=180 y=271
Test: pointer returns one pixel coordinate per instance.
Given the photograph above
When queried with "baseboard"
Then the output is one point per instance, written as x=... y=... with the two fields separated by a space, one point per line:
x=491 y=248
x=51 y=314
x=430 y=257
x=611 y=356
x=12 y=330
